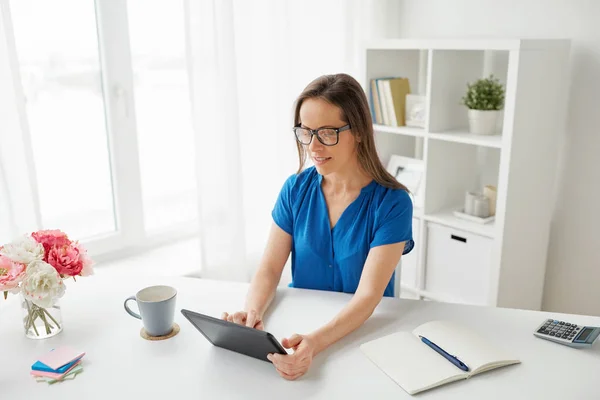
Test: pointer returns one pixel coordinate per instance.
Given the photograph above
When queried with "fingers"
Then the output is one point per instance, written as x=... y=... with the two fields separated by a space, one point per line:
x=260 y=326
x=292 y=369
x=280 y=359
x=290 y=360
x=290 y=377
x=239 y=318
x=292 y=366
x=292 y=341
x=289 y=370
x=251 y=319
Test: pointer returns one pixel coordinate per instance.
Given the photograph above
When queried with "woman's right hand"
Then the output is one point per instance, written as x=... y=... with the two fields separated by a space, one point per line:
x=250 y=319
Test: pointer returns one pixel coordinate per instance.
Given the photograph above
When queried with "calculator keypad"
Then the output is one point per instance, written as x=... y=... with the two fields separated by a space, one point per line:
x=559 y=329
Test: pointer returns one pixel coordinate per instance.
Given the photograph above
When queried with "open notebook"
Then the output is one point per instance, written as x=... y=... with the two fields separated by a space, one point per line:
x=416 y=367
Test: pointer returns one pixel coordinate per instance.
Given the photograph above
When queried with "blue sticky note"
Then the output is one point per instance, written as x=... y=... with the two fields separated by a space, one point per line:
x=38 y=366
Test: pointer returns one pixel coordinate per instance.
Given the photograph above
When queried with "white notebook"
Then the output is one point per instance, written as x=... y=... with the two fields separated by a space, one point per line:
x=416 y=367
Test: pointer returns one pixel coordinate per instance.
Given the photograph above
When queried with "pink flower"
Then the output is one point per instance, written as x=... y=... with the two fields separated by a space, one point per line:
x=66 y=260
x=85 y=260
x=51 y=238
x=11 y=274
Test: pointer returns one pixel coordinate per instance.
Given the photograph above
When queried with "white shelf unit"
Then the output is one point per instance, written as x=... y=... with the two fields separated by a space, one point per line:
x=501 y=263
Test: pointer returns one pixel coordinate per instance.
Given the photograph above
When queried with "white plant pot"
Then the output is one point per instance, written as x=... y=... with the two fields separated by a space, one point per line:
x=483 y=122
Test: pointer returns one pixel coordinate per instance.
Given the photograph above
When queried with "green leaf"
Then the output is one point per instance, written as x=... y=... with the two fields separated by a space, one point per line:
x=484 y=94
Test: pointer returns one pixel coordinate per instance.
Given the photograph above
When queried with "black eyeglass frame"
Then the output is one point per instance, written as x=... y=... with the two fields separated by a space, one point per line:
x=315 y=132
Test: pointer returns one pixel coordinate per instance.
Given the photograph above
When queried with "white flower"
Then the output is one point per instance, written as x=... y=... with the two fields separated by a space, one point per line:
x=42 y=284
x=23 y=250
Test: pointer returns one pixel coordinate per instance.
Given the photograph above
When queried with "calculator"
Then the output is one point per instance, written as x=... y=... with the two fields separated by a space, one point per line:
x=567 y=333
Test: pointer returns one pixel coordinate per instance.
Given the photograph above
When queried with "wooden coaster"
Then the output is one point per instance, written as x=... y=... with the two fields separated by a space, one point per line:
x=174 y=332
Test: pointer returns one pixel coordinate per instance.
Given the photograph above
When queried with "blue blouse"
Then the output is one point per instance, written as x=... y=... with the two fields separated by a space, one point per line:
x=333 y=259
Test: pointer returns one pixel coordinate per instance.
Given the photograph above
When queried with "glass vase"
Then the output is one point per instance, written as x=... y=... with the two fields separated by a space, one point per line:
x=39 y=322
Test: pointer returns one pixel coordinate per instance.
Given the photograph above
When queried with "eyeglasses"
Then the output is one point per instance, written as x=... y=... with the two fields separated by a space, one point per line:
x=327 y=136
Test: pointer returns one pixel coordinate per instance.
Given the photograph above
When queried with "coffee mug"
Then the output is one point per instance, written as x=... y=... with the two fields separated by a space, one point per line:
x=481 y=207
x=470 y=202
x=157 y=309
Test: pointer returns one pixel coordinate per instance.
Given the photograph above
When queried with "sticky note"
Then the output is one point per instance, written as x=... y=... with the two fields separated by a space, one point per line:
x=54 y=375
x=38 y=366
x=71 y=374
x=60 y=356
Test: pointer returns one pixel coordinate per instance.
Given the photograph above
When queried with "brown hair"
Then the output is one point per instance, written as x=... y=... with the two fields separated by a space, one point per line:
x=345 y=92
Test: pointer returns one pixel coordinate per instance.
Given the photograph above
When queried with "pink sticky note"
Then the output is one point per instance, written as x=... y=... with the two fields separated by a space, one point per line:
x=54 y=375
x=60 y=356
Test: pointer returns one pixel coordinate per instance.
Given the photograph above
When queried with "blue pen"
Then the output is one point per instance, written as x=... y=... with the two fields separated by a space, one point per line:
x=453 y=359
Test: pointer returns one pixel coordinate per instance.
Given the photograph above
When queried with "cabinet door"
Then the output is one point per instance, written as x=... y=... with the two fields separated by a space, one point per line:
x=409 y=265
x=458 y=264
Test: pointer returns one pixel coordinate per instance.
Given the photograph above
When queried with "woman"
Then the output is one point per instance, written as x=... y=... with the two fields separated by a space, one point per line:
x=345 y=220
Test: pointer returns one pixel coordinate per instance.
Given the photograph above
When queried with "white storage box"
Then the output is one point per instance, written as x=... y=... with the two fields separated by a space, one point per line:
x=457 y=265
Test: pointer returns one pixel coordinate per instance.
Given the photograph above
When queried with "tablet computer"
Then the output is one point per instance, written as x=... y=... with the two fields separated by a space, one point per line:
x=231 y=336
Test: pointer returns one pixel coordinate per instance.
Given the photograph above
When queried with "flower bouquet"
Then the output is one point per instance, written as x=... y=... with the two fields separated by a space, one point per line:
x=36 y=265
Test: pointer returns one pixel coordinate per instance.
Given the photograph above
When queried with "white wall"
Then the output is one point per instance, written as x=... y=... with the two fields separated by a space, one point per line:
x=573 y=270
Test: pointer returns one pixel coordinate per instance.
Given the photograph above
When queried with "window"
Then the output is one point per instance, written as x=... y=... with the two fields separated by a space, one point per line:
x=61 y=80
x=108 y=102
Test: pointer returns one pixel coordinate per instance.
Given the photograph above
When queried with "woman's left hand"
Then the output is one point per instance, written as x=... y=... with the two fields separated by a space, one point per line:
x=293 y=366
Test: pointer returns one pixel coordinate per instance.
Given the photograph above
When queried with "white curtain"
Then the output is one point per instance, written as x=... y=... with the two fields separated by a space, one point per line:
x=18 y=211
x=248 y=61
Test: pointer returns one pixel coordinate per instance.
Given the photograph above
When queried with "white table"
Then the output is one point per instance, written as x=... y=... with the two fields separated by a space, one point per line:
x=119 y=362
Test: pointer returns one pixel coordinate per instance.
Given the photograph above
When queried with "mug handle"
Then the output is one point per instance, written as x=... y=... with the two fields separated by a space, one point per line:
x=135 y=315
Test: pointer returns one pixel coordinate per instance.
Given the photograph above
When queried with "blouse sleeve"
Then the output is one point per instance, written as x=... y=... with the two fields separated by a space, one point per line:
x=393 y=221
x=282 y=211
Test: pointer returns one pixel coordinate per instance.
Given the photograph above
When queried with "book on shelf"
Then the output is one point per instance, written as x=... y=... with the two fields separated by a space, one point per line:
x=388 y=100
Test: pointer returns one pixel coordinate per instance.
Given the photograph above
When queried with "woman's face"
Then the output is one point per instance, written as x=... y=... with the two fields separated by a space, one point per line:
x=316 y=113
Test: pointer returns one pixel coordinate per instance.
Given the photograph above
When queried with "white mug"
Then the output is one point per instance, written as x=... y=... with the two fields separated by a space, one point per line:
x=481 y=207
x=470 y=202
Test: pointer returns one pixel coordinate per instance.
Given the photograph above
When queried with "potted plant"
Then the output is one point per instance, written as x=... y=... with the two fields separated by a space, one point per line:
x=485 y=100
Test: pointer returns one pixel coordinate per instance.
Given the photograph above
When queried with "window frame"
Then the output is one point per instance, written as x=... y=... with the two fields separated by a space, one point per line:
x=130 y=235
